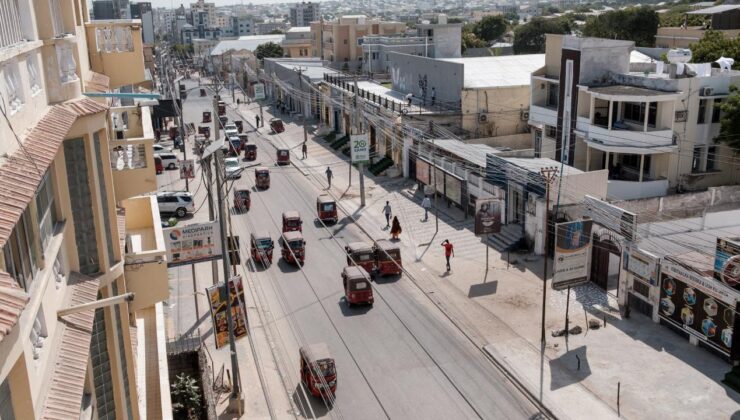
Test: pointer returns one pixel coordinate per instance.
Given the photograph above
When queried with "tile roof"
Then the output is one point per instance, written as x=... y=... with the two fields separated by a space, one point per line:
x=12 y=301
x=21 y=173
x=72 y=352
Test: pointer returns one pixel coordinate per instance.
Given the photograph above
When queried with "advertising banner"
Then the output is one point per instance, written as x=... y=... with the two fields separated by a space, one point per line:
x=422 y=171
x=453 y=188
x=694 y=309
x=187 y=169
x=642 y=265
x=439 y=180
x=192 y=243
x=359 y=148
x=572 y=252
x=612 y=217
x=259 y=91
x=487 y=216
x=727 y=261
x=217 y=298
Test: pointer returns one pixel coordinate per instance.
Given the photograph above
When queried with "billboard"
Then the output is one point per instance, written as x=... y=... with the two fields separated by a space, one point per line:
x=691 y=302
x=612 y=217
x=439 y=180
x=187 y=169
x=642 y=265
x=422 y=171
x=572 y=252
x=359 y=148
x=487 y=216
x=453 y=188
x=217 y=298
x=727 y=261
x=259 y=91
x=192 y=243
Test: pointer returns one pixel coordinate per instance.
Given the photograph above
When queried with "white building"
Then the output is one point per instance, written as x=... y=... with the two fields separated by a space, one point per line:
x=302 y=14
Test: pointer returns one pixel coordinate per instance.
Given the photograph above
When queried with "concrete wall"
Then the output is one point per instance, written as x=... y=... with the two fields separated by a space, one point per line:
x=502 y=106
x=598 y=56
x=513 y=141
x=123 y=68
x=683 y=205
x=446 y=77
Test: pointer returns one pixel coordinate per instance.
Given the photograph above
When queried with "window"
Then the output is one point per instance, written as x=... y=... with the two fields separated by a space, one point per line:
x=100 y=360
x=13 y=88
x=716 y=110
x=11 y=23
x=103 y=189
x=635 y=111
x=6 y=402
x=20 y=252
x=67 y=63
x=81 y=201
x=553 y=95
x=345 y=41
x=34 y=81
x=538 y=143
x=57 y=18
x=696 y=161
x=551 y=131
x=711 y=158
x=38 y=333
x=701 y=118
x=45 y=210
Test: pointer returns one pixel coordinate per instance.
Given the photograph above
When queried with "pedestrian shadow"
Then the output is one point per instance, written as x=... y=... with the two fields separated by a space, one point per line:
x=308 y=406
x=483 y=289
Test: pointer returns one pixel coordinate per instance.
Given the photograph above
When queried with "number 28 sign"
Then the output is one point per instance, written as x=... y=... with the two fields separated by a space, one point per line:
x=360 y=148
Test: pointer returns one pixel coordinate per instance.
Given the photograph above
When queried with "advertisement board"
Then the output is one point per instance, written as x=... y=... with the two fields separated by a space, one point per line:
x=187 y=169
x=453 y=188
x=217 y=298
x=572 y=252
x=612 y=217
x=422 y=171
x=439 y=180
x=259 y=90
x=688 y=301
x=641 y=264
x=727 y=261
x=487 y=216
x=192 y=243
x=359 y=148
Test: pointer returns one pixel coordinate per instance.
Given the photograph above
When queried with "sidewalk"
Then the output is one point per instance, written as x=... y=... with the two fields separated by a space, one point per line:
x=659 y=373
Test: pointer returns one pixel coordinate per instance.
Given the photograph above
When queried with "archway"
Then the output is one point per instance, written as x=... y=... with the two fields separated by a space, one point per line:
x=606 y=261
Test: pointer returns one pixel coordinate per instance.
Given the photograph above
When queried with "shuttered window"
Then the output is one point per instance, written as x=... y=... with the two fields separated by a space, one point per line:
x=81 y=203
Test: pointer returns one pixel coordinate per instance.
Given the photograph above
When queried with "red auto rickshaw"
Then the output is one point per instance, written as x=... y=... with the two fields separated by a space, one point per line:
x=387 y=258
x=239 y=126
x=158 y=167
x=250 y=151
x=357 y=288
x=318 y=372
x=173 y=132
x=207 y=116
x=202 y=92
x=283 y=157
x=326 y=208
x=293 y=248
x=262 y=177
x=244 y=138
x=361 y=254
x=204 y=130
x=262 y=247
x=242 y=200
x=221 y=108
x=276 y=125
x=292 y=221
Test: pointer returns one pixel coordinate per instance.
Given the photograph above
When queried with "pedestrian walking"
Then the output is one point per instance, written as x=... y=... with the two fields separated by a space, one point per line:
x=257 y=119
x=238 y=102
x=449 y=252
x=387 y=212
x=329 y=175
x=304 y=149
x=408 y=98
x=426 y=204
x=395 y=228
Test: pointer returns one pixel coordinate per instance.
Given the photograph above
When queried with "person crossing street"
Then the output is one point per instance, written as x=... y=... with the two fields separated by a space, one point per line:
x=449 y=252
x=304 y=149
x=426 y=204
x=329 y=175
x=387 y=212
x=257 y=119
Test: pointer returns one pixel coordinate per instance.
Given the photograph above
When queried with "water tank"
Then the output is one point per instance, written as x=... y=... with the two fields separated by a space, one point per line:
x=442 y=19
x=679 y=55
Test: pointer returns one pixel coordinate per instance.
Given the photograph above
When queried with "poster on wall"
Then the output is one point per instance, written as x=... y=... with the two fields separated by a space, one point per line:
x=727 y=261
x=422 y=171
x=187 y=169
x=439 y=180
x=217 y=298
x=259 y=91
x=641 y=264
x=572 y=252
x=689 y=302
x=487 y=216
x=453 y=189
x=192 y=243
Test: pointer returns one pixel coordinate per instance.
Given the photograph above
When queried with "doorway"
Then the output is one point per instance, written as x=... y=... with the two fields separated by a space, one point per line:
x=606 y=262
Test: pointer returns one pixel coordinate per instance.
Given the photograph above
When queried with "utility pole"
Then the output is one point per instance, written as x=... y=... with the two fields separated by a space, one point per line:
x=216 y=119
x=182 y=134
x=361 y=166
x=549 y=176
x=300 y=89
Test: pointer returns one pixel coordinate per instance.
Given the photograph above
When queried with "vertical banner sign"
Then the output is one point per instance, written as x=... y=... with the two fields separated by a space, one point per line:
x=572 y=251
x=259 y=91
x=217 y=298
x=727 y=261
x=422 y=171
x=487 y=216
x=192 y=243
x=187 y=169
x=360 y=148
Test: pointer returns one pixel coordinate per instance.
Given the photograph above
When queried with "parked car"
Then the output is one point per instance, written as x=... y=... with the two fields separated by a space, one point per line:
x=179 y=203
x=158 y=167
x=158 y=148
x=231 y=126
x=232 y=168
x=169 y=160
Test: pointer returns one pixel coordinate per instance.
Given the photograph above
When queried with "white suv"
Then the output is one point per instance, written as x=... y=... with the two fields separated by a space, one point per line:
x=179 y=203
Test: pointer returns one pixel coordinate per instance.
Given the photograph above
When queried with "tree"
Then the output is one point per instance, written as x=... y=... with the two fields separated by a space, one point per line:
x=490 y=28
x=268 y=50
x=638 y=24
x=676 y=16
x=713 y=46
x=729 y=132
x=469 y=40
x=185 y=397
x=530 y=37
x=276 y=32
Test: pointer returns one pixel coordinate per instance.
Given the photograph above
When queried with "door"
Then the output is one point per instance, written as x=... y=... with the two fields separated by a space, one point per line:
x=606 y=256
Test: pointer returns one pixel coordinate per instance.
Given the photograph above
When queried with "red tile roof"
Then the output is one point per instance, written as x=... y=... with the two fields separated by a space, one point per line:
x=12 y=301
x=67 y=381
x=21 y=173
x=97 y=83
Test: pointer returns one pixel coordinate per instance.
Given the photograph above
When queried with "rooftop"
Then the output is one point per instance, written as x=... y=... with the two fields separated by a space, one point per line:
x=537 y=164
x=474 y=153
x=300 y=29
x=503 y=71
x=249 y=43
x=715 y=9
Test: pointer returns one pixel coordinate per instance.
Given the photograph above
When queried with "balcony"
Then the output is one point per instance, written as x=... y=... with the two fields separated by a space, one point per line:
x=116 y=50
x=632 y=190
x=131 y=153
x=543 y=115
x=145 y=255
x=628 y=137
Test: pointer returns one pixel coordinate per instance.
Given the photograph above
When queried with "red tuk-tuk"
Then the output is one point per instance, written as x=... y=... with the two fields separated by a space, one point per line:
x=158 y=167
x=204 y=130
x=206 y=116
x=387 y=258
x=326 y=208
x=276 y=124
x=239 y=125
x=223 y=119
x=318 y=372
x=202 y=92
x=221 y=108
x=250 y=151
x=173 y=132
x=242 y=200
x=293 y=248
x=361 y=254
x=262 y=247
x=244 y=138
x=357 y=288
x=262 y=177
x=292 y=221
x=283 y=157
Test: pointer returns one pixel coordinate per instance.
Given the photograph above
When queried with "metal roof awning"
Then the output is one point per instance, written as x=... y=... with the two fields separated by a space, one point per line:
x=630 y=150
x=623 y=93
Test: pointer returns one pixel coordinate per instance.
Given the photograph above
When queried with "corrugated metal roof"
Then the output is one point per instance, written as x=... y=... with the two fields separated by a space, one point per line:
x=12 y=301
x=473 y=153
x=249 y=43
x=714 y=10
x=21 y=174
x=64 y=398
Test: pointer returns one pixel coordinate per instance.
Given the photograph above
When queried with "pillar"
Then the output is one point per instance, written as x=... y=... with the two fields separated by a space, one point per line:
x=642 y=165
x=609 y=124
x=588 y=158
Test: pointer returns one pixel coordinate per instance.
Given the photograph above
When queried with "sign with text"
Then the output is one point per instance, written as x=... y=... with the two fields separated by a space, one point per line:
x=360 y=148
x=218 y=303
x=727 y=261
x=612 y=217
x=422 y=171
x=642 y=265
x=187 y=169
x=487 y=216
x=192 y=243
x=259 y=91
x=572 y=252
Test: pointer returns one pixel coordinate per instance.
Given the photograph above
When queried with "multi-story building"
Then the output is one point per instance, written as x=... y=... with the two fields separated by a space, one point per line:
x=209 y=9
x=337 y=41
x=76 y=236
x=302 y=14
x=103 y=9
x=242 y=25
x=143 y=12
x=267 y=28
x=163 y=19
x=297 y=42
x=724 y=18
x=652 y=125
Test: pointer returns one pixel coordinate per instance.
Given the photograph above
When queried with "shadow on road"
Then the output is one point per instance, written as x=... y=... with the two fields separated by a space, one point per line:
x=286 y=267
x=309 y=406
x=378 y=279
x=354 y=310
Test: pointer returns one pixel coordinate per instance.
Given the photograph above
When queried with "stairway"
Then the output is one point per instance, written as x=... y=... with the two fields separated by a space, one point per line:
x=509 y=235
x=381 y=165
x=338 y=143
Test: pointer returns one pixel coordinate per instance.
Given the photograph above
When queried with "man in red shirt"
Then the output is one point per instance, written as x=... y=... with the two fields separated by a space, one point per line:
x=449 y=251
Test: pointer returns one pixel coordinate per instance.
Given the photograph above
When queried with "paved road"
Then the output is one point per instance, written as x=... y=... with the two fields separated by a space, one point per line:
x=400 y=358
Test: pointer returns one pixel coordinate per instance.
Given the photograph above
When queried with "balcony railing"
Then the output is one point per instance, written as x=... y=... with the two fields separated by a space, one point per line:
x=631 y=190
x=116 y=50
x=10 y=29
x=543 y=115
x=132 y=156
x=631 y=138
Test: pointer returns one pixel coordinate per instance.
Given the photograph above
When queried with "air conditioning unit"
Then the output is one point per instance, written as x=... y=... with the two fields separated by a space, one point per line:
x=482 y=117
x=707 y=91
x=524 y=115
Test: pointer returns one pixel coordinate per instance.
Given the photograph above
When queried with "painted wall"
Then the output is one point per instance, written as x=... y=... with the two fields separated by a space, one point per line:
x=446 y=77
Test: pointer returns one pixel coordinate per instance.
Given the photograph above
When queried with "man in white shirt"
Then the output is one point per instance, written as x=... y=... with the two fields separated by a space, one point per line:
x=426 y=204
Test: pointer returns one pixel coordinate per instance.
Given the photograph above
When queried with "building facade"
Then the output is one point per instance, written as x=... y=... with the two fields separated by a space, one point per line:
x=302 y=14
x=297 y=42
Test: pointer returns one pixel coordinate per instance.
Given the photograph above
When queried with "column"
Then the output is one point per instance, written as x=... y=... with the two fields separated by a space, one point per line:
x=609 y=124
x=645 y=123
x=588 y=158
x=607 y=161
x=642 y=165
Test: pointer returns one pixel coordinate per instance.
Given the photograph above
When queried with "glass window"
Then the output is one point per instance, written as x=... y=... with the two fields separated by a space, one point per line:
x=104 y=198
x=696 y=161
x=45 y=210
x=716 y=110
x=711 y=158
x=537 y=143
x=633 y=111
x=701 y=118
x=81 y=201
x=551 y=131
x=553 y=95
x=20 y=253
x=6 y=402
x=652 y=113
x=100 y=360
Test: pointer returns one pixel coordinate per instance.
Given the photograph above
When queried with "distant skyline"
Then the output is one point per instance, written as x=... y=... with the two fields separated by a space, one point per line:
x=177 y=3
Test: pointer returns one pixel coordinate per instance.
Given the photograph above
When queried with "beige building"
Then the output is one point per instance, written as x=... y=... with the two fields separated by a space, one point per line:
x=76 y=236
x=297 y=42
x=337 y=41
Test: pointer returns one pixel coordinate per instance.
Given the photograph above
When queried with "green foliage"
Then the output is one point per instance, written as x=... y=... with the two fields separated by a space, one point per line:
x=469 y=40
x=490 y=28
x=185 y=397
x=715 y=45
x=530 y=37
x=638 y=24
x=182 y=49
x=676 y=15
x=729 y=132
x=268 y=50
x=172 y=221
x=511 y=16
x=551 y=10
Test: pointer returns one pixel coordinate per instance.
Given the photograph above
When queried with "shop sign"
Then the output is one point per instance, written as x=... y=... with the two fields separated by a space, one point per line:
x=572 y=252
x=217 y=298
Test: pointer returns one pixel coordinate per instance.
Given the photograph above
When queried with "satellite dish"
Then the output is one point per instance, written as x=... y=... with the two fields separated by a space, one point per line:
x=679 y=55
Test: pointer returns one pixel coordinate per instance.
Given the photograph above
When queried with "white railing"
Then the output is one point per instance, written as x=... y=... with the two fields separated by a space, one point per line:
x=114 y=39
x=132 y=156
x=67 y=63
x=10 y=23
x=57 y=19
